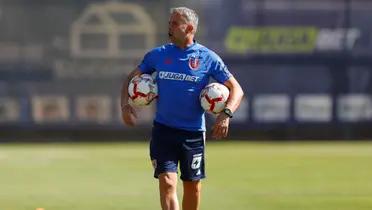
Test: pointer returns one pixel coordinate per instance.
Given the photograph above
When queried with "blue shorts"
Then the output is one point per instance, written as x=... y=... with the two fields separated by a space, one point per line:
x=170 y=146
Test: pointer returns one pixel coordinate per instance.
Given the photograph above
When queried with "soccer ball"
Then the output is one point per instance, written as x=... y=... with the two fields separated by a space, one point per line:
x=213 y=97
x=142 y=90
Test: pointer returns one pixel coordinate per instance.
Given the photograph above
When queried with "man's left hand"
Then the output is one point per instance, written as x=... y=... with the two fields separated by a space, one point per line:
x=221 y=126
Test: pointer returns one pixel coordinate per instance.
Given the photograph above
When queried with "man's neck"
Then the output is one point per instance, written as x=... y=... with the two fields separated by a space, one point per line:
x=185 y=44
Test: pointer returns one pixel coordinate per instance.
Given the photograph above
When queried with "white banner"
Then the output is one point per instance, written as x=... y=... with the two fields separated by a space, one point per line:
x=271 y=108
x=93 y=108
x=50 y=109
x=313 y=108
x=354 y=107
x=9 y=110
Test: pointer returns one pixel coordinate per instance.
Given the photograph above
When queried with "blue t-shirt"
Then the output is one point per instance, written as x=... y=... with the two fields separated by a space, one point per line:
x=181 y=74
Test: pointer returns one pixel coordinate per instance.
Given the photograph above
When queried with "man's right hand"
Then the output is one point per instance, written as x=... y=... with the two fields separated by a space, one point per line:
x=129 y=115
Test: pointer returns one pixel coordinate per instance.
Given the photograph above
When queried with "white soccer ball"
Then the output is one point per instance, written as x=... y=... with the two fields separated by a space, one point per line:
x=213 y=97
x=142 y=90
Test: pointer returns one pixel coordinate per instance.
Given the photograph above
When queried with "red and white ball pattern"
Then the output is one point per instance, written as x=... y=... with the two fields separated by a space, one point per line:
x=213 y=97
x=142 y=90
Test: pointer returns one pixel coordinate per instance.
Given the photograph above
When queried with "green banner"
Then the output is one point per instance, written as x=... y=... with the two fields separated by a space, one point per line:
x=271 y=39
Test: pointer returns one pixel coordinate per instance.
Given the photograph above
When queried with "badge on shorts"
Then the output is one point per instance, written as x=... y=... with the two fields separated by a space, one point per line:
x=196 y=160
x=194 y=63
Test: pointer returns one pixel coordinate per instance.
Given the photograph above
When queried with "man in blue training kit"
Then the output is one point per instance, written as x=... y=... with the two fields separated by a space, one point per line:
x=183 y=69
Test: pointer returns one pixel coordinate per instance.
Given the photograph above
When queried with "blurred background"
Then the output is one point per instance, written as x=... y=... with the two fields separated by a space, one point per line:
x=305 y=66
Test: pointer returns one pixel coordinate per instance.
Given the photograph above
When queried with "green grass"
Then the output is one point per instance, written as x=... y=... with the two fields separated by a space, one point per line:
x=241 y=176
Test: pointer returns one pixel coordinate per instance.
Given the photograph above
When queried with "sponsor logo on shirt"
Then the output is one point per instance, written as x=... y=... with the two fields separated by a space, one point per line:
x=177 y=76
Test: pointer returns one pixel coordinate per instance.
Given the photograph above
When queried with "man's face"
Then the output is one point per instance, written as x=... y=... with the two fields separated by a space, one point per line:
x=178 y=29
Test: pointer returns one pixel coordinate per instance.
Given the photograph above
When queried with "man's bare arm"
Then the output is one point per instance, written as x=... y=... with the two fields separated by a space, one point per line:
x=128 y=112
x=124 y=88
x=236 y=94
x=221 y=126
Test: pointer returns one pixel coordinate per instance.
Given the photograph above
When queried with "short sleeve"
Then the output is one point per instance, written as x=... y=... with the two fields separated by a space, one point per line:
x=219 y=70
x=147 y=65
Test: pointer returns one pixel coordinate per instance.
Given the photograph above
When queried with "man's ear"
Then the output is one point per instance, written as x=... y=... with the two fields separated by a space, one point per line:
x=189 y=28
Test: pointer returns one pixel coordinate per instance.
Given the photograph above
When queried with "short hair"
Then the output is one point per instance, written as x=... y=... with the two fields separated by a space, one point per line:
x=189 y=14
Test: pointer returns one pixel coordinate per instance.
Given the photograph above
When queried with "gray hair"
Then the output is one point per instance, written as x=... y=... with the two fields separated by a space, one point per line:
x=189 y=14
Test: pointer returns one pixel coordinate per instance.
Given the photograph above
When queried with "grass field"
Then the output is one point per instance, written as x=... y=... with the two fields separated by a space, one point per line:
x=241 y=175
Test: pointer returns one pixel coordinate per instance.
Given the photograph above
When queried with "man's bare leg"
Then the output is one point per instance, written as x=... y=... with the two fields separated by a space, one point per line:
x=191 y=195
x=168 y=191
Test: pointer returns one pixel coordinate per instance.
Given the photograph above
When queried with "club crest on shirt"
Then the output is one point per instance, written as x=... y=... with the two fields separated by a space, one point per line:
x=194 y=63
